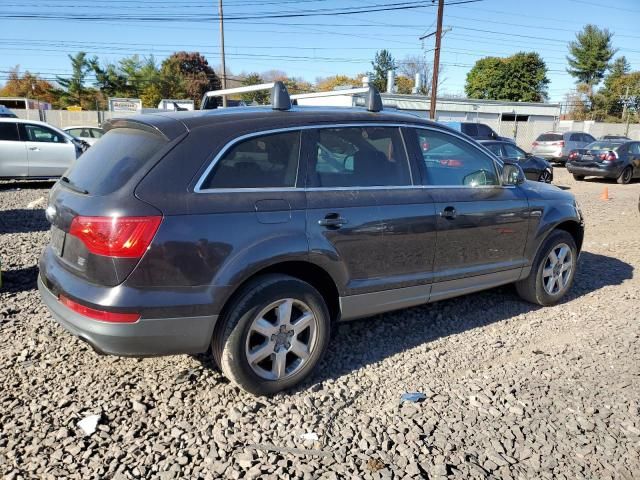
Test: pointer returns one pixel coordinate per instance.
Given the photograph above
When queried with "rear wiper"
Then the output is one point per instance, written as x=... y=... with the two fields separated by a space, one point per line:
x=72 y=186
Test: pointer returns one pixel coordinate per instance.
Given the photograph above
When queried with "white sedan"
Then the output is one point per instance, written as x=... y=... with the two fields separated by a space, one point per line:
x=31 y=149
x=85 y=133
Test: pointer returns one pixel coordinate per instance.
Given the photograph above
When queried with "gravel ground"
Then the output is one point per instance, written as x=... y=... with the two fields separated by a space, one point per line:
x=513 y=391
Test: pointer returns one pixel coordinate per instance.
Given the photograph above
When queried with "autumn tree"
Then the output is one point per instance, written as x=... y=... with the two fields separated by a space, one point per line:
x=187 y=75
x=28 y=85
x=337 y=82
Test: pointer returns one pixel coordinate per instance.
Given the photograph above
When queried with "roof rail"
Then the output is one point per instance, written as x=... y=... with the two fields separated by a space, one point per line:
x=280 y=99
x=279 y=95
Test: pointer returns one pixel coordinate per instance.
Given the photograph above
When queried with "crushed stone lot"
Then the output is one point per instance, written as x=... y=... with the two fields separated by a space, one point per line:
x=512 y=390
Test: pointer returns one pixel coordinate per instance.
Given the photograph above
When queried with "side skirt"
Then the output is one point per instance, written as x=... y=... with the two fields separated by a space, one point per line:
x=358 y=306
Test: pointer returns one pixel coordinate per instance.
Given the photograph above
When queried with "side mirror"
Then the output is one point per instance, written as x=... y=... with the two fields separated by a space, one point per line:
x=512 y=174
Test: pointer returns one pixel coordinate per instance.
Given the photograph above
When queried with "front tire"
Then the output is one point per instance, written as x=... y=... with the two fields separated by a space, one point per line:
x=578 y=177
x=553 y=270
x=626 y=175
x=273 y=335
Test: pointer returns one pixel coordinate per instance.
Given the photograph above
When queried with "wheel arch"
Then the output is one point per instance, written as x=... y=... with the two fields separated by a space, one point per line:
x=306 y=271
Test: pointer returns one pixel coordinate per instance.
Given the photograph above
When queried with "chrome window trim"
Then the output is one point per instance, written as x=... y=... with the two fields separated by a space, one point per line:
x=198 y=188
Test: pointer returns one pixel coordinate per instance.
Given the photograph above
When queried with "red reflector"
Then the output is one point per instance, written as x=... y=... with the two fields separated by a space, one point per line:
x=99 y=314
x=127 y=237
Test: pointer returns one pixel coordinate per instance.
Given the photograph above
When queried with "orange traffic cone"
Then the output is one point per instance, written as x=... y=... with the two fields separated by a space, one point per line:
x=605 y=194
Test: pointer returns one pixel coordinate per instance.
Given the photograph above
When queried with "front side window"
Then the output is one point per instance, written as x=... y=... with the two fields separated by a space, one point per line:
x=451 y=161
x=358 y=157
x=266 y=161
x=9 y=132
x=37 y=133
x=496 y=149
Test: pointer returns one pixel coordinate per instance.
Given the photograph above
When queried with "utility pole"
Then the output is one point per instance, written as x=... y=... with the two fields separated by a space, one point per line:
x=436 y=61
x=224 y=69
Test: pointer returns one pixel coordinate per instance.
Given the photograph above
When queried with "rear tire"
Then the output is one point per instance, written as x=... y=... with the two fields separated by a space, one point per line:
x=549 y=281
x=578 y=177
x=273 y=334
x=626 y=175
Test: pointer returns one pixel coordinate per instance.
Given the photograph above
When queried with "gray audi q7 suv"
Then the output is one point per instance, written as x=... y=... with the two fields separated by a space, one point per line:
x=252 y=231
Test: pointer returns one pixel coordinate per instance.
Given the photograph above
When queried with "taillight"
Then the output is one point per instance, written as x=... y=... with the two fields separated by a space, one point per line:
x=99 y=314
x=573 y=155
x=608 y=157
x=534 y=144
x=125 y=237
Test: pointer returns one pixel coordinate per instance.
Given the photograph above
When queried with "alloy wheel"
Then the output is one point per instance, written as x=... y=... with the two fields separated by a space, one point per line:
x=557 y=270
x=281 y=339
x=545 y=176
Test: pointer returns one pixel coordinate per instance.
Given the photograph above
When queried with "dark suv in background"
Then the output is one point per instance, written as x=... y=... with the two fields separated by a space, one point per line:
x=251 y=231
x=477 y=131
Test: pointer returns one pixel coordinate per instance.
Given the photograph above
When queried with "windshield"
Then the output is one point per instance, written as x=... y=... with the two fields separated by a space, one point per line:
x=107 y=165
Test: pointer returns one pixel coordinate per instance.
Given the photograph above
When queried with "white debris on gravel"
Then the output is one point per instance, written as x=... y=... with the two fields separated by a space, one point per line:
x=513 y=391
x=89 y=424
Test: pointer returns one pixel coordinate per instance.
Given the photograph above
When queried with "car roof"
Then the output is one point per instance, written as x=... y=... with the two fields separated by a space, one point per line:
x=172 y=124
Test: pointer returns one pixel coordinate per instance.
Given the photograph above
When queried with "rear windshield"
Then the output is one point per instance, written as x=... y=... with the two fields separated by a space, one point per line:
x=549 y=137
x=609 y=145
x=107 y=165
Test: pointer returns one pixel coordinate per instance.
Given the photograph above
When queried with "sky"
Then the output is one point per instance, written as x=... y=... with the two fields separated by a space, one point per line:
x=38 y=35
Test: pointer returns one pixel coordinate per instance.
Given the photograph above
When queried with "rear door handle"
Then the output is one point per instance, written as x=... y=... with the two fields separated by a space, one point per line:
x=34 y=148
x=449 y=212
x=332 y=220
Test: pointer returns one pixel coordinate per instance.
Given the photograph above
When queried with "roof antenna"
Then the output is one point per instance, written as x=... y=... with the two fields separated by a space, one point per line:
x=280 y=97
x=373 y=102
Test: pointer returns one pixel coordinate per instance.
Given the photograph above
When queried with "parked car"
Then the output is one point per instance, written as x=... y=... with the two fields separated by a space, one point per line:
x=535 y=168
x=607 y=159
x=615 y=137
x=252 y=231
x=35 y=149
x=86 y=134
x=477 y=131
x=6 y=113
x=555 y=146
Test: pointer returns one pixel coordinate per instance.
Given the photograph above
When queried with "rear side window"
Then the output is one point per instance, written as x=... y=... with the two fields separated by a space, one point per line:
x=267 y=161
x=9 y=132
x=634 y=148
x=358 y=157
x=95 y=133
x=576 y=137
x=549 y=137
x=451 y=161
x=107 y=165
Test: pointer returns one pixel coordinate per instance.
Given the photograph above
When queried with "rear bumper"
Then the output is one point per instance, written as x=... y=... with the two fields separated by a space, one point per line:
x=146 y=337
x=606 y=171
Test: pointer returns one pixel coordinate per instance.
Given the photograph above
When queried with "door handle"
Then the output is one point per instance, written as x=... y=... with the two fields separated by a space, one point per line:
x=449 y=212
x=34 y=148
x=332 y=220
